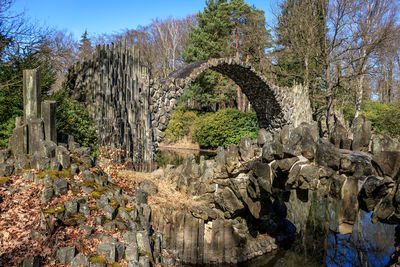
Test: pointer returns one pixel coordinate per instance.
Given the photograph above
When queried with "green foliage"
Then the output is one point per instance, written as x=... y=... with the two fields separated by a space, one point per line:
x=385 y=118
x=74 y=119
x=227 y=126
x=180 y=124
x=211 y=38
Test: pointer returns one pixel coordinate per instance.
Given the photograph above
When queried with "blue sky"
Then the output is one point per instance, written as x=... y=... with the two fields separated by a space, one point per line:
x=101 y=16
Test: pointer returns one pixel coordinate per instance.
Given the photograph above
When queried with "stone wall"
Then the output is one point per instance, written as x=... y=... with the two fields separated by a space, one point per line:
x=114 y=84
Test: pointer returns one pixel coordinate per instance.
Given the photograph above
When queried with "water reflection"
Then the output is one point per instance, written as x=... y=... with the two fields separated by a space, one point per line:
x=319 y=243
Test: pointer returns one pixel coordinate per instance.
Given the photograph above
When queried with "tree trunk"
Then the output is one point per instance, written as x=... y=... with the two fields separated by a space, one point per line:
x=359 y=98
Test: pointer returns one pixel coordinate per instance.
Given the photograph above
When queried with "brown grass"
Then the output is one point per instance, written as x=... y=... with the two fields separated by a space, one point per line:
x=167 y=195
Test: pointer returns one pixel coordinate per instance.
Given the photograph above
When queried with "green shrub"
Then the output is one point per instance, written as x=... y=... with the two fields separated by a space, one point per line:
x=180 y=124
x=385 y=118
x=225 y=127
x=74 y=119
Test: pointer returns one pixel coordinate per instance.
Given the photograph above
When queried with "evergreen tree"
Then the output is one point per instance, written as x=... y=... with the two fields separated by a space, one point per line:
x=225 y=29
x=85 y=46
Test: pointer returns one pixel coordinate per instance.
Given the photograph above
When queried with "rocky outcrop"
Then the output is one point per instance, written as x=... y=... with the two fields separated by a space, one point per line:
x=245 y=190
x=81 y=203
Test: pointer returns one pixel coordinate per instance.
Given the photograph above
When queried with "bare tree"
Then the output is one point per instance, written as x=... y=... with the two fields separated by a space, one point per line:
x=372 y=26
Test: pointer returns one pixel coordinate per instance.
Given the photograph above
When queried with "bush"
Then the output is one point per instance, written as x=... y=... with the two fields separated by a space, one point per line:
x=385 y=118
x=225 y=127
x=180 y=124
x=74 y=119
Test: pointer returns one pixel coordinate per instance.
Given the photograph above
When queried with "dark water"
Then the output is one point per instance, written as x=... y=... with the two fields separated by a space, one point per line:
x=318 y=241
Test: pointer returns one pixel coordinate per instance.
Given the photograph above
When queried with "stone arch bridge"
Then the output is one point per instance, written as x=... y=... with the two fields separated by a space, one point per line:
x=131 y=110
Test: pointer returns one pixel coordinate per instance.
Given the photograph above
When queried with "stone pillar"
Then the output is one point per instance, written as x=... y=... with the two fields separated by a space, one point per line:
x=18 y=142
x=49 y=119
x=32 y=94
x=36 y=135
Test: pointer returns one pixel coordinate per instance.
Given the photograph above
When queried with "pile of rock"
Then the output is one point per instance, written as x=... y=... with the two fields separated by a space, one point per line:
x=70 y=169
x=244 y=189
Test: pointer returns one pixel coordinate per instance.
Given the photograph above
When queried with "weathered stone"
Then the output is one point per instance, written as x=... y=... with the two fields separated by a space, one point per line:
x=31 y=94
x=60 y=186
x=141 y=196
x=264 y=137
x=361 y=130
x=6 y=169
x=129 y=237
x=99 y=220
x=144 y=261
x=62 y=155
x=231 y=158
x=285 y=164
x=220 y=159
x=388 y=163
x=272 y=150
x=348 y=211
x=302 y=141
x=82 y=151
x=65 y=255
x=31 y=262
x=84 y=209
x=28 y=176
x=48 y=110
x=203 y=213
x=37 y=235
x=39 y=163
x=47 y=149
x=373 y=190
x=18 y=142
x=113 y=251
x=89 y=230
x=71 y=207
x=80 y=260
x=389 y=144
x=74 y=169
x=4 y=155
x=264 y=175
x=376 y=145
x=55 y=165
x=228 y=201
x=149 y=187
x=46 y=195
x=36 y=135
x=143 y=243
x=87 y=176
x=131 y=252
x=22 y=162
x=246 y=149
x=109 y=212
x=339 y=136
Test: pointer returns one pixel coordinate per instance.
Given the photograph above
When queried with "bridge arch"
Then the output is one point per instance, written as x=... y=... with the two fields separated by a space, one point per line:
x=274 y=106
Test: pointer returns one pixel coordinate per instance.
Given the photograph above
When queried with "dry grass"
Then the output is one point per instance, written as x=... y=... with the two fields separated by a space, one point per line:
x=167 y=195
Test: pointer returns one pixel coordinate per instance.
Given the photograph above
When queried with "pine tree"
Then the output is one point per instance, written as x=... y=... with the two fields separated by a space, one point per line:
x=225 y=29
x=85 y=47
